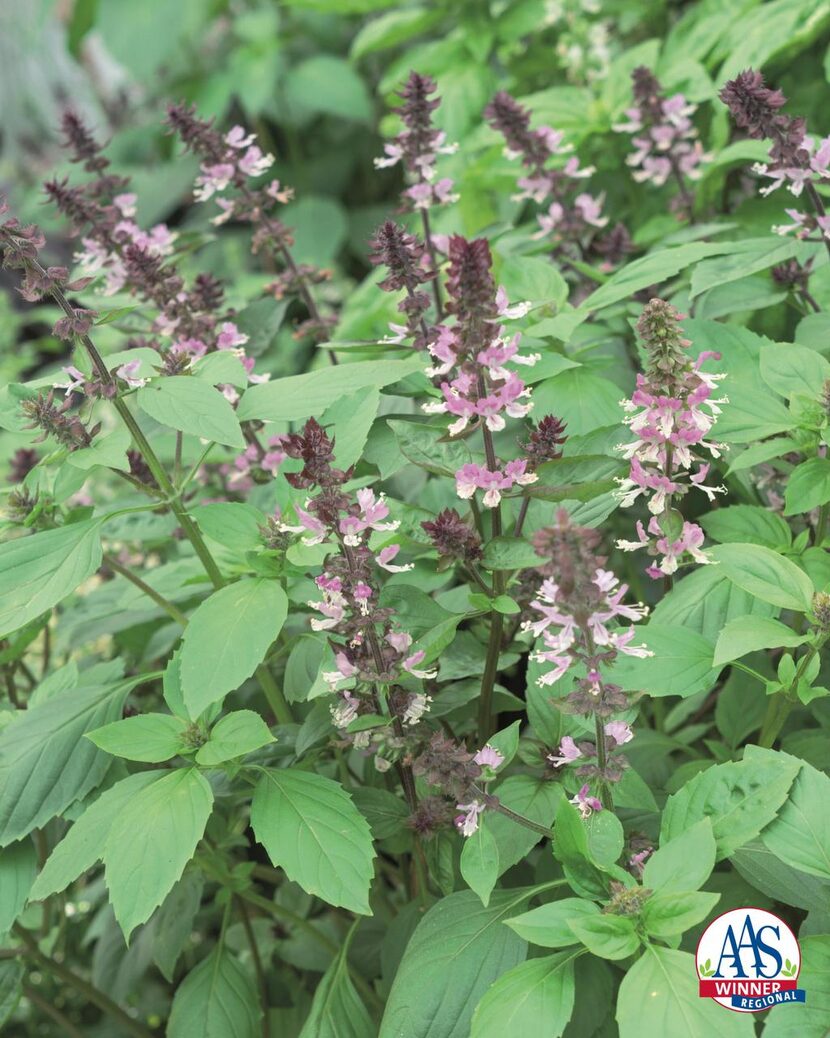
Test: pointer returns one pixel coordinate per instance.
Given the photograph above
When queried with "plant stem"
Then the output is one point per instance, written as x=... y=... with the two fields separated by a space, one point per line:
x=52 y=1012
x=486 y=721
x=520 y=520
x=783 y=702
x=255 y=956
x=602 y=763
x=430 y=244
x=83 y=987
x=821 y=525
x=274 y=695
x=495 y=804
x=171 y=610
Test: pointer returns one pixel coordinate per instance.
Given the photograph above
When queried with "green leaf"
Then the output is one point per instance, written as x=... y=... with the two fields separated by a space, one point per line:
x=423 y=446
x=192 y=406
x=349 y=420
x=509 y=553
x=608 y=936
x=219 y=368
x=547 y=926
x=672 y=914
x=312 y=830
x=749 y=524
x=739 y=798
x=809 y=1020
x=46 y=764
x=743 y=259
x=173 y=922
x=747 y=634
x=654 y=269
x=18 y=865
x=227 y=638
x=218 y=999
x=808 y=486
x=11 y=987
x=329 y=85
x=765 y=574
x=778 y=880
x=83 y=845
x=526 y=278
x=531 y=798
x=789 y=370
x=570 y=847
x=458 y=951
x=579 y=397
x=146 y=737
x=480 y=862
x=231 y=523
x=37 y=571
x=109 y=449
x=297 y=397
x=532 y=992
x=391 y=29
x=659 y=996
x=150 y=842
x=238 y=733
x=684 y=862
x=800 y=835
x=337 y=1011
x=704 y=601
x=681 y=664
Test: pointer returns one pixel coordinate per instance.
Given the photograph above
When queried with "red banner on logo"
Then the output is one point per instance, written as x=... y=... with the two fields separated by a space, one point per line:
x=749 y=988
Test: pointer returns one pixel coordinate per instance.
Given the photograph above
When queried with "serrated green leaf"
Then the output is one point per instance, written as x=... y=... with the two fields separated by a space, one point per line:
x=191 y=406
x=236 y=734
x=151 y=738
x=217 y=999
x=227 y=638
x=151 y=841
x=38 y=571
x=311 y=829
x=84 y=844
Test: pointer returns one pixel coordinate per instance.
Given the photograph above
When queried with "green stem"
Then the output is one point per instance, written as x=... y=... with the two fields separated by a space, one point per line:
x=274 y=695
x=782 y=703
x=90 y=993
x=171 y=610
x=257 y=961
x=49 y=1010
x=494 y=804
x=602 y=763
x=486 y=720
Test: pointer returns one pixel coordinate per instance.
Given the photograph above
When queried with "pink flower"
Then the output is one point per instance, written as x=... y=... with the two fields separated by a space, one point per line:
x=385 y=556
x=416 y=708
x=75 y=383
x=619 y=731
x=129 y=373
x=467 y=822
x=253 y=163
x=586 y=803
x=488 y=757
x=238 y=138
x=410 y=665
x=230 y=337
x=568 y=752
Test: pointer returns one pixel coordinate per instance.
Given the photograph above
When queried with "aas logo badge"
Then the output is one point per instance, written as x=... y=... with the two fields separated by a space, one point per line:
x=748 y=960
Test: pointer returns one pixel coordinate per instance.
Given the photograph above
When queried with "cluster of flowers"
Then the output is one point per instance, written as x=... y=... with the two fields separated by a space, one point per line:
x=372 y=652
x=672 y=412
x=418 y=146
x=471 y=357
x=573 y=217
x=190 y=322
x=796 y=160
x=576 y=609
x=582 y=43
x=666 y=142
x=229 y=163
x=460 y=775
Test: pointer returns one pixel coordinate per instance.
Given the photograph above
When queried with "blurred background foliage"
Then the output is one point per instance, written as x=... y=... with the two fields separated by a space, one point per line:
x=316 y=80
